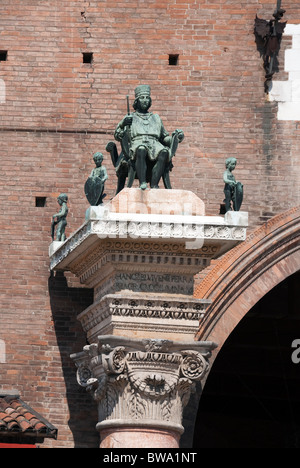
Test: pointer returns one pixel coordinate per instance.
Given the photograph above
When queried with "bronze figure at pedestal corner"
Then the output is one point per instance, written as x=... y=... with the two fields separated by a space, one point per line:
x=61 y=221
x=147 y=148
x=233 y=190
x=94 y=186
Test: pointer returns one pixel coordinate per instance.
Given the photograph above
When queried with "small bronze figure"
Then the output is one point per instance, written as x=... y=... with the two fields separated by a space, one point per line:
x=61 y=221
x=94 y=186
x=233 y=190
x=147 y=147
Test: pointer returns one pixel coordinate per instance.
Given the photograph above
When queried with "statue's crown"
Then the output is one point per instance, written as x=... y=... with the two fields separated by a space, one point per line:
x=142 y=89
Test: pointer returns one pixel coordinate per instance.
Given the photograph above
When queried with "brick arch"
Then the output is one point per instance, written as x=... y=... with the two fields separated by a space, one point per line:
x=245 y=274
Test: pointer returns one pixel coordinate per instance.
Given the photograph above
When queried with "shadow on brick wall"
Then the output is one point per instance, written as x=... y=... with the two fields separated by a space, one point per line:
x=66 y=303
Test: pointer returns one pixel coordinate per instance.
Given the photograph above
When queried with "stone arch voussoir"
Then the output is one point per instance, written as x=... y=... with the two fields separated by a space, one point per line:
x=245 y=274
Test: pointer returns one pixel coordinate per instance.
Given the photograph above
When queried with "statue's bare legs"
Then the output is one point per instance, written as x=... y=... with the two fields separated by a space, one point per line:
x=158 y=168
x=141 y=166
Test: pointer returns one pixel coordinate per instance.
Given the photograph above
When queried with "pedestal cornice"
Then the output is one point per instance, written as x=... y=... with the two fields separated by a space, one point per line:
x=201 y=236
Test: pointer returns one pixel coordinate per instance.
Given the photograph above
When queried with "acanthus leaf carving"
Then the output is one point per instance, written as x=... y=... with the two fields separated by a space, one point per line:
x=141 y=380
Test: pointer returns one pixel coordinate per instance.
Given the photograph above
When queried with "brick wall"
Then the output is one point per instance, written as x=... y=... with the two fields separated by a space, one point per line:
x=58 y=111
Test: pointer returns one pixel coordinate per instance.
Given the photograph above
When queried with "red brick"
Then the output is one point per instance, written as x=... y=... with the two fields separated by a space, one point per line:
x=215 y=94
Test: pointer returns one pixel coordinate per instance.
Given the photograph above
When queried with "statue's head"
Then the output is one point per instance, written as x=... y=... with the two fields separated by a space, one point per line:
x=98 y=158
x=62 y=198
x=142 y=92
x=230 y=162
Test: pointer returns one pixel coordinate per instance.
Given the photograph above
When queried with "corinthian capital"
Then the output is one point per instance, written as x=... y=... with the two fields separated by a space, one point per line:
x=145 y=381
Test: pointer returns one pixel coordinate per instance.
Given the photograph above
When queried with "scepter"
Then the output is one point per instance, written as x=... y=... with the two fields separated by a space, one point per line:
x=125 y=142
x=128 y=126
x=128 y=110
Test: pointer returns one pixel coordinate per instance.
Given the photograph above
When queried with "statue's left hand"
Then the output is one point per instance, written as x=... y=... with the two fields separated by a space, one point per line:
x=180 y=135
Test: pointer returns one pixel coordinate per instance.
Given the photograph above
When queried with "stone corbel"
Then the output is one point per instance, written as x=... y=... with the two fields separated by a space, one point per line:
x=141 y=382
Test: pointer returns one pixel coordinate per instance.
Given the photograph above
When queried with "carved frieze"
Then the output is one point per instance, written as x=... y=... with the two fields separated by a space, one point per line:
x=194 y=233
x=136 y=313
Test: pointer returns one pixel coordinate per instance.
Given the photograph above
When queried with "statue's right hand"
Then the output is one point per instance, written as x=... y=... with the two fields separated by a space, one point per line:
x=127 y=121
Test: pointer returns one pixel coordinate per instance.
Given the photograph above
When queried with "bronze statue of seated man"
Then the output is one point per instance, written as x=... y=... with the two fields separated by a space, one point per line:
x=146 y=142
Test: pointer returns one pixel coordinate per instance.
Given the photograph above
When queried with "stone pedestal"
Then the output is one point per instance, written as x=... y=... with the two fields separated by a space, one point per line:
x=139 y=253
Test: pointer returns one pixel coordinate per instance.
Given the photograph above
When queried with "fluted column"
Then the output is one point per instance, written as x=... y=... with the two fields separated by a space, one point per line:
x=141 y=387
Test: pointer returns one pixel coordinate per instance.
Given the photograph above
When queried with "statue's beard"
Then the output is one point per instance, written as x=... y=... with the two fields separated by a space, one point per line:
x=143 y=107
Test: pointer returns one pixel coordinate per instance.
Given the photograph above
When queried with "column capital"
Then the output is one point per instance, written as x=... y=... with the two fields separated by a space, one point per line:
x=141 y=382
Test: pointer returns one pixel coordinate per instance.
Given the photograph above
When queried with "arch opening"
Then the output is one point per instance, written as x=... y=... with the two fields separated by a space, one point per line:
x=251 y=397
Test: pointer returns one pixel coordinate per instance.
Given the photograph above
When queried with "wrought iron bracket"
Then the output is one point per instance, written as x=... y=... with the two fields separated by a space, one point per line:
x=268 y=36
